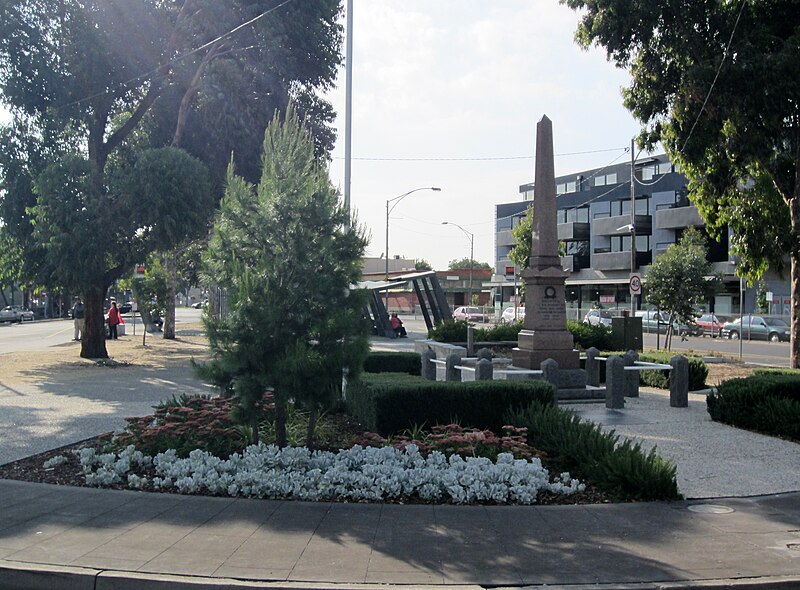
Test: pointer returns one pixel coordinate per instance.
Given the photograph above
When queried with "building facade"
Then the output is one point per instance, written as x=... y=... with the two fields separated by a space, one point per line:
x=596 y=214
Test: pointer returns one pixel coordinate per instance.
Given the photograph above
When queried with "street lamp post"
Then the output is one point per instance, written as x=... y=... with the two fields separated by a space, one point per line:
x=471 y=237
x=394 y=202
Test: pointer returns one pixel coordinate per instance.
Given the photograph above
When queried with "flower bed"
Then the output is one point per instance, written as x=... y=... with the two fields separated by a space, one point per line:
x=355 y=474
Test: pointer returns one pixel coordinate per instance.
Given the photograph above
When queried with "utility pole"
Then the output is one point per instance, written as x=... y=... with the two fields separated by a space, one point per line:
x=633 y=224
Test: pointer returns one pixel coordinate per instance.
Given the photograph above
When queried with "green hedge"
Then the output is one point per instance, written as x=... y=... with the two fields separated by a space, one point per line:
x=766 y=402
x=587 y=336
x=698 y=371
x=393 y=362
x=456 y=331
x=621 y=469
x=388 y=403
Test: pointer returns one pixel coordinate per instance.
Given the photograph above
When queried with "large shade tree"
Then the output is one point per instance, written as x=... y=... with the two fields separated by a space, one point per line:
x=95 y=78
x=718 y=83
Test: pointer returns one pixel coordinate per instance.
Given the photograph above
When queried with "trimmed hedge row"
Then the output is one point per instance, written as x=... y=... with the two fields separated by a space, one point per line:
x=393 y=362
x=698 y=370
x=621 y=469
x=456 y=331
x=767 y=402
x=388 y=403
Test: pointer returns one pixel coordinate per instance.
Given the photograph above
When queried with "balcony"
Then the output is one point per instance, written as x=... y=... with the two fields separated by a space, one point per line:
x=505 y=238
x=619 y=225
x=679 y=217
x=573 y=231
x=619 y=260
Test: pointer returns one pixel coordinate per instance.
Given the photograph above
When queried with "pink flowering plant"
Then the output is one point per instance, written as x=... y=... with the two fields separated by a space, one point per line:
x=453 y=439
x=188 y=423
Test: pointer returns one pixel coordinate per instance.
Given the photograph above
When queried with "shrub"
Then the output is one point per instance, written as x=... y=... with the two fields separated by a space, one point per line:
x=393 y=362
x=450 y=331
x=766 y=402
x=452 y=439
x=588 y=336
x=621 y=469
x=499 y=333
x=388 y=403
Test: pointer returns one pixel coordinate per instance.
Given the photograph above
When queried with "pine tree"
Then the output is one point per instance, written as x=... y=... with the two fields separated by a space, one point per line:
x=281 y=252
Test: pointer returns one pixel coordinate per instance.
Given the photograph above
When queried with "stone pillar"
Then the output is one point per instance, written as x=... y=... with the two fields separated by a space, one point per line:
x=485 y=353
x=679 y=382
x=631 y=377
x=451 y=373
x=484 y=370
x=549 y=369
x=615 y=383
x=545 y=334
x=470 y=340
x=592 y=367
x=428 y=367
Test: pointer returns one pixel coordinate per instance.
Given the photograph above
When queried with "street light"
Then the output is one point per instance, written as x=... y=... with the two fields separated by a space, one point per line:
x=471 y=237
x=394 y=202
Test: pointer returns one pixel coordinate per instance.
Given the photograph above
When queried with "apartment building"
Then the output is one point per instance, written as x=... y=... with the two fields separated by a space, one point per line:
x=595 y=213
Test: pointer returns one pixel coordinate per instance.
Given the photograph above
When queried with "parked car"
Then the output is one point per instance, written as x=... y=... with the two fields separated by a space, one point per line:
x=658 y=321
x=508 y=314
x=710 y=324
x=470 y=314
x=15 y=313
x=200 y=304
x=756 y=327
x=598 y=317
x=126 y=307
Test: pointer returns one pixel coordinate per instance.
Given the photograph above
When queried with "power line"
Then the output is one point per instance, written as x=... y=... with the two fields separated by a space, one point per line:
x=147 y=74
x=474 y=159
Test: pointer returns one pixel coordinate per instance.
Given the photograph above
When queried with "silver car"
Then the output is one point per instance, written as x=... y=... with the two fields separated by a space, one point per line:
x=598 y=317
x=15 y=313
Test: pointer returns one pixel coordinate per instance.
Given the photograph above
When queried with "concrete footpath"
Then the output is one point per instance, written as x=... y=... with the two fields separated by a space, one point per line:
x=53 y=537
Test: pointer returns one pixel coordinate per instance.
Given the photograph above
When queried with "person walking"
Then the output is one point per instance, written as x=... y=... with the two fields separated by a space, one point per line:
x=114 y=320
x=78 y=318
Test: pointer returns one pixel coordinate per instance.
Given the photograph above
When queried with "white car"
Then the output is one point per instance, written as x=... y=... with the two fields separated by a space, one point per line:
x=508 y=314
x=15 y=313
x=598 y=317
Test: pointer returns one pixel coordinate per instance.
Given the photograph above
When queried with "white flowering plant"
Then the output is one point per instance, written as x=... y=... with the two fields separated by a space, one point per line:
x=364 y=474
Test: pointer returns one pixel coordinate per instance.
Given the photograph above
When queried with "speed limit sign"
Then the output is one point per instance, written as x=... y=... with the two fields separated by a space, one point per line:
x=636 y=285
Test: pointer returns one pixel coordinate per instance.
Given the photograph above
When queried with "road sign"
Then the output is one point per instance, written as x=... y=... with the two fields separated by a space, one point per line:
x=636 y=285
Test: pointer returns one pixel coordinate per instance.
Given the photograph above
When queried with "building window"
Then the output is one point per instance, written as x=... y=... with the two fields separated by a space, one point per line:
x=582 y=215
x=664 y=168
x=648 y=172
x=642 y=206
x=611 y=178
x=599 y=181
x=571 y=187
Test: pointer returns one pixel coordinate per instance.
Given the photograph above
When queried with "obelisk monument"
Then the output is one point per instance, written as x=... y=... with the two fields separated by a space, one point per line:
x=544 y=334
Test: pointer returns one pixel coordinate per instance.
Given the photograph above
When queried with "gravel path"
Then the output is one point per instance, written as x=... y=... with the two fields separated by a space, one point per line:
x=713 y=459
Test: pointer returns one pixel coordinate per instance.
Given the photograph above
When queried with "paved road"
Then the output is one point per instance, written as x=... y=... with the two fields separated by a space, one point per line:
x=754 y=351
x=40 y=335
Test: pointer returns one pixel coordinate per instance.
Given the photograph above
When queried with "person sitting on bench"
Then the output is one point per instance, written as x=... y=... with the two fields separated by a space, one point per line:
x=397 y=326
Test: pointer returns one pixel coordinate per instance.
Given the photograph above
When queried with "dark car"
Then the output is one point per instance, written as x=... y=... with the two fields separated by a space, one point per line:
x=756 y=327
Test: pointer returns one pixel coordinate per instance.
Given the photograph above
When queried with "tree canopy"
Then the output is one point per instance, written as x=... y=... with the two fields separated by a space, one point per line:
x=93 y=85
x=718 y=83
x=678 y=279
x=466 y=263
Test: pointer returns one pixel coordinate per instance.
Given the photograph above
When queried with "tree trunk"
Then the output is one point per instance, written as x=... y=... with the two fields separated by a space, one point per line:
x=254 y=425
x=312 y=427
x=171 y=269
x=280 y=424
x=794 y=211
x=93 y=340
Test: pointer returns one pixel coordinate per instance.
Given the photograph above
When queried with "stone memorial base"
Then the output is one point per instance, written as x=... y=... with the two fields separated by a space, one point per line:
x=564 y=355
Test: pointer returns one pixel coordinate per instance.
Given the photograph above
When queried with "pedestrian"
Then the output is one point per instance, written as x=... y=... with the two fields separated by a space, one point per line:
x=114 y=320
x=78 y=318
x=397 y=326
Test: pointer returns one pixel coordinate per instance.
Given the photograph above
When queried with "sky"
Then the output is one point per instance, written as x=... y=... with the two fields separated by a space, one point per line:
x=467 y=79
x=447 y=93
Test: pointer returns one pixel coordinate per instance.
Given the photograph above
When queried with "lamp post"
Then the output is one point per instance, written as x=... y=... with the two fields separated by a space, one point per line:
x=471 y=237
x=394 y=202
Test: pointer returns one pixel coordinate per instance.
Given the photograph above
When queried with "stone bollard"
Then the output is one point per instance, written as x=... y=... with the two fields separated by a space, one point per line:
x=631 y=377
x=428 y=368
x=470 y=340
x=484 y=353
x=615 y=383
x=549 y=369
x=679 y=382
x=592 y=367
x=451 y=373
x=484 y=371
